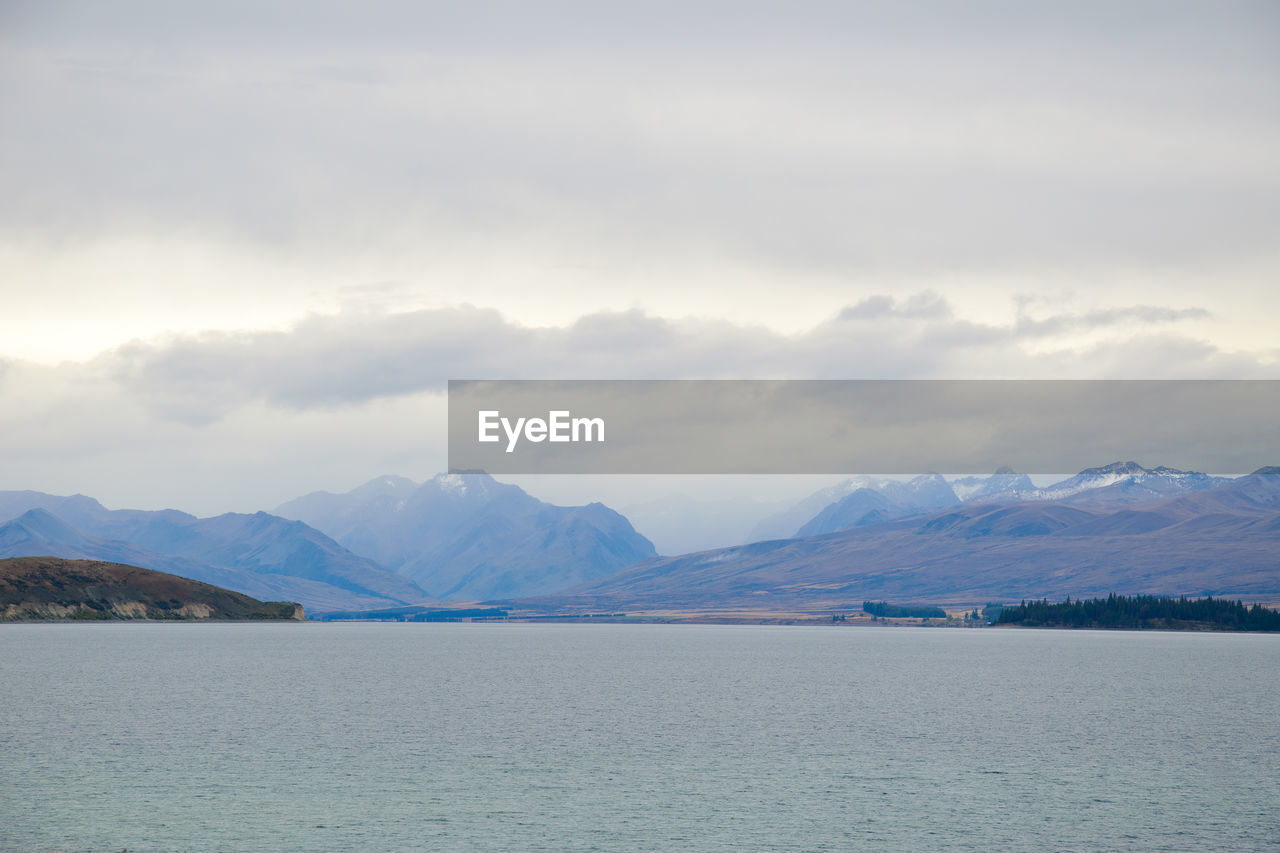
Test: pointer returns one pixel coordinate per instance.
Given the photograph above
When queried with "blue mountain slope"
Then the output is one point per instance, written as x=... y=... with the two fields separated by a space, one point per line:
x=1225 y=540
x=39 y=533
x=468 y=536
x=250 y=545
x=858 y=509
x=1119 y=484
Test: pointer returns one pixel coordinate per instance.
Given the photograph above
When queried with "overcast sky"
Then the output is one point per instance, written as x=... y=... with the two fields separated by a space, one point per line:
x=242 y=246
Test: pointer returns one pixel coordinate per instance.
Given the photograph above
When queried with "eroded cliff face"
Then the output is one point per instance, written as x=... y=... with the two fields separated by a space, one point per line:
x=129 y=609
x=29 y=611
x=16 y=612
x=25 y=610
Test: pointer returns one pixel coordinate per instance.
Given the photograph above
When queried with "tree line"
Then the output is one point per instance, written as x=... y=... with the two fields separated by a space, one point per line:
x=883 y=609
x=1142 y=611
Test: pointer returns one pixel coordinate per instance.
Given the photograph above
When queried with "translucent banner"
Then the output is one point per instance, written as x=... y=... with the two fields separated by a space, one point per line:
x=859 y=426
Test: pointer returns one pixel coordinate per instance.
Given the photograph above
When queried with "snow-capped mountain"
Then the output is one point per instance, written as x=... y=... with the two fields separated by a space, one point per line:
x=922 y=493
x=889 y=500
x=1126 y=483
x=1004 y=484
x=928 y=491
x=1220 y=541
x=860 y=501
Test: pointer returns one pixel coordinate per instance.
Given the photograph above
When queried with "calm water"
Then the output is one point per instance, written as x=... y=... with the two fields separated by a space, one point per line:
x=634 y=737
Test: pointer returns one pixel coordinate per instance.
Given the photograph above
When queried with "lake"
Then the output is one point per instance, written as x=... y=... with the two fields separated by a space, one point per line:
x=453 y=737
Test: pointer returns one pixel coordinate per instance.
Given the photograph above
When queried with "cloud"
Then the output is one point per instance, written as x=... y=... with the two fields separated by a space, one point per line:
x=353 y=357
x=870 y=138
x=1134 y=315
x=220 y=421
x=323 y=361
x=765 y=162
x=920 y=305
x=754 y=189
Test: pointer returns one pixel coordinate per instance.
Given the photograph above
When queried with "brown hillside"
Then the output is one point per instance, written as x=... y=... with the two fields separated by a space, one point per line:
x=51 y=588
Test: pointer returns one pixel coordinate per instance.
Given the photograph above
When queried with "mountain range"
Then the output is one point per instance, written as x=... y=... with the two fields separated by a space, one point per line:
x=260 y=555
x=860 y=501
x=468 y=536
x=457 y=536
x=1104 y=533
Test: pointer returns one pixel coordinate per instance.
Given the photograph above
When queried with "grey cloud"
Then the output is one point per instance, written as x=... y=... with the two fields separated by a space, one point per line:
x=413 y=22
x=802 y=142
x=927 y=304
x=216 y=422
x=349 y=359
x=1105 y=318
x=322 y=361
x=843 y=136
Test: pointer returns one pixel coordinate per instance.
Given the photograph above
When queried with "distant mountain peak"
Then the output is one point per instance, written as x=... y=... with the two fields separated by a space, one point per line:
x=451 y=482
x=1127 y=467
x=1133 y=469
x=1126 y=483
x=44 y=525
x=1118 y=483
x=463 y=534
x=1003 y=485
x=387 y=484
x=455 y=481
x=254 y=553
x=468 y=487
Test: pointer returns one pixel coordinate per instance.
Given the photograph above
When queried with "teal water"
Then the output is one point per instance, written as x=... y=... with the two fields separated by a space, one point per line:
x=634 y=737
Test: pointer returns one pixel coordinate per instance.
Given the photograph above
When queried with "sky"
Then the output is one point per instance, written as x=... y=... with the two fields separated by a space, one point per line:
x=244 y=245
